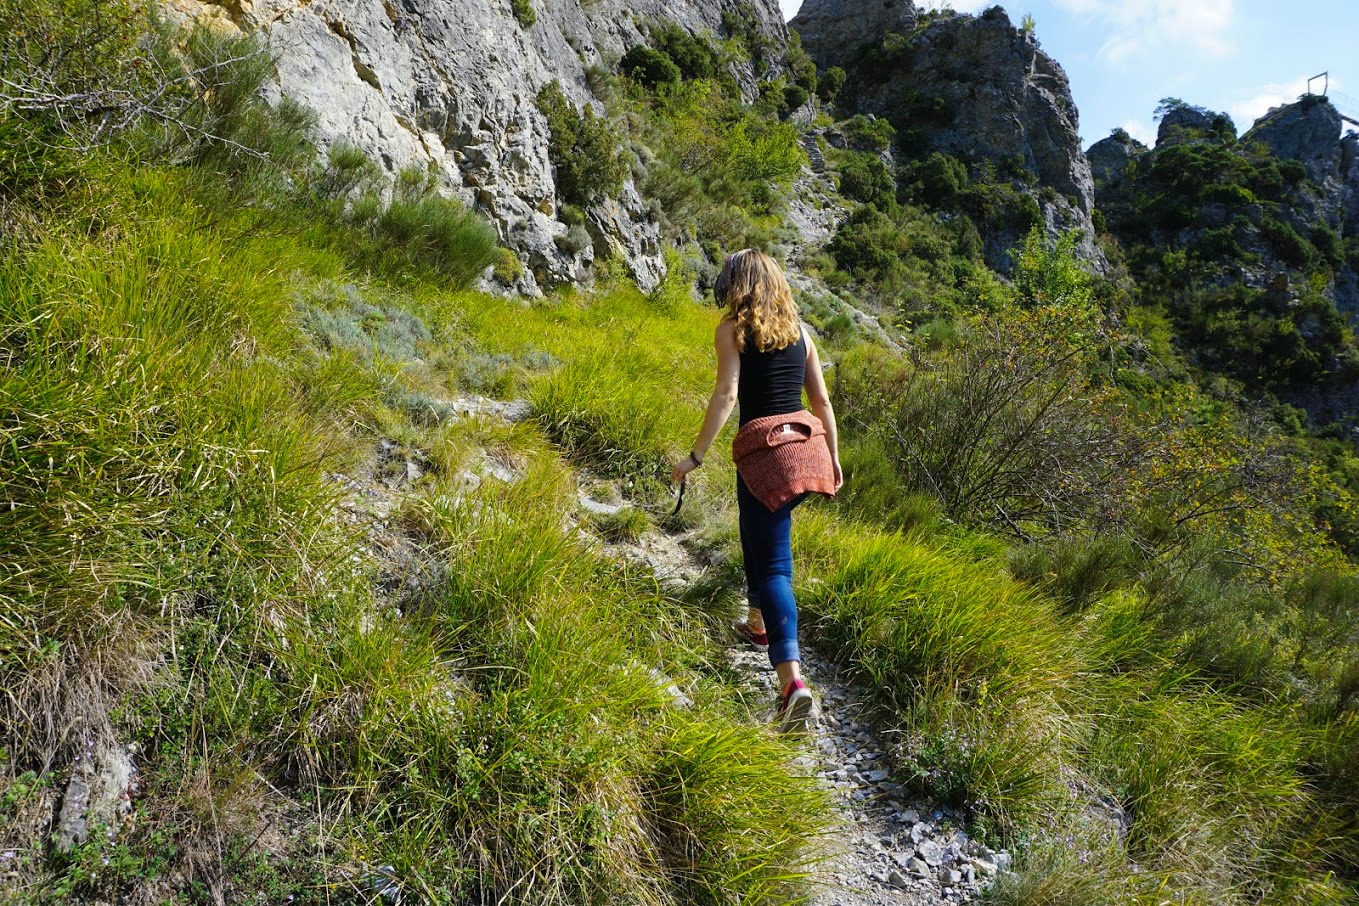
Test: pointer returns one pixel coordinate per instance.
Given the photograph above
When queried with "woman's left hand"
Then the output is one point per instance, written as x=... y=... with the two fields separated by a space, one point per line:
x=682 y=468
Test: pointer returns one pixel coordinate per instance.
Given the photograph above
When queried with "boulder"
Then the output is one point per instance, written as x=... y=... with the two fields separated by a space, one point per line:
x=98 y=796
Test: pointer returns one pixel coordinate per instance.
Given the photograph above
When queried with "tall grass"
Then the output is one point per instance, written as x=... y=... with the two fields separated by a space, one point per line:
x=175 y=574
x=1047 y=724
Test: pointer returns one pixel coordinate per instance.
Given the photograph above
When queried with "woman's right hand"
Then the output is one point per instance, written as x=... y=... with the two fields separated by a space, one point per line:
x=682 y=468
x=839 y=475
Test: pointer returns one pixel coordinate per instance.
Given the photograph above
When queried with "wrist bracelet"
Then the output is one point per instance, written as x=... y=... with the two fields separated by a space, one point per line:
x=694 y=457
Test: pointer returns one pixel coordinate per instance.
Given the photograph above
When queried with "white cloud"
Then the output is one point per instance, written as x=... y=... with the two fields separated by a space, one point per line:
x=1139 y=25
x=1247 y=110
x=1141 y=130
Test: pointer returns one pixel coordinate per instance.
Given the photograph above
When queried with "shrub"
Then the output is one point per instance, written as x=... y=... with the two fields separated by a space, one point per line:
x=1327 y=243
x=828 y=88
x=1292 y=171
x=648 y=66
x=794 y=96
x=1288 y=245
x=583 y=148
x=95 y=71
x=761 y=152
x=348 y=172
x=1000 y=428
x=421 y=228
x=864 y=177
x=864 y=134
x=78 y=68
x=939 y=180
x=694 y=57
x=866 y=244
x=524 y=12
x=1047 y=273
x=229 y=126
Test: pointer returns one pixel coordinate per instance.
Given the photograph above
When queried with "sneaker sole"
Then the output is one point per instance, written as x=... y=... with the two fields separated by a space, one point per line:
x=748 y=640
x=797 y=713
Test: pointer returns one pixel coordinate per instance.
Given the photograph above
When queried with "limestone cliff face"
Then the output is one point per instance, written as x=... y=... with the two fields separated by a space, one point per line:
x=452 y=83
x=834 y=31
x=975 y=87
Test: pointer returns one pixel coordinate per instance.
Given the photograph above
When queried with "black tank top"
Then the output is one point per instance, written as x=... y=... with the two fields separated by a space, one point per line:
x=771 y=382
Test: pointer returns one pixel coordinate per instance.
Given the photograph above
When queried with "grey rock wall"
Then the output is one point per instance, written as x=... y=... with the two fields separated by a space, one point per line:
x=1003 y=98
x=833 y=31
x=451 y=84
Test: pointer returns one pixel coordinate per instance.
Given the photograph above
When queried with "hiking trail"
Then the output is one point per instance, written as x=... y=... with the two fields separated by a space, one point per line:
x=890 y=848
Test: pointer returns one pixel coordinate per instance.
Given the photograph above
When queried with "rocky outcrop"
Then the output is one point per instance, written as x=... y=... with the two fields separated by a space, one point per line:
x=835 y=32
x=1349 y=177
x=1111 y=157
x=982 y=90
x=451 y=85
x=1186 y=123
x=1307 y=131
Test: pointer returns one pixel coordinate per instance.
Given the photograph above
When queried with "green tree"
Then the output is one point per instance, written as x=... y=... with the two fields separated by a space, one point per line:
x=649 y=66
x=1049 y=274
x=583 y=148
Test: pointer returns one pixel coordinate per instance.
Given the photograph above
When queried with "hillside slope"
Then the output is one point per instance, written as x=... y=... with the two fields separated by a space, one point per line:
x=337 y=560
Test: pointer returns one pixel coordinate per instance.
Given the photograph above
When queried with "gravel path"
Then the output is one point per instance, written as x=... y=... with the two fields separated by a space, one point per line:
x=893 y=848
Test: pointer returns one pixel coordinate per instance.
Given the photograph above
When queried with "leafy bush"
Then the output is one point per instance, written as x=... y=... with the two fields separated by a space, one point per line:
x=583 y=148
x=939 y=180
x=1327 y=243
x=828 y=88
x=864 y=134
x=648 y=66
x=794 y=96
x=524 y=12
x=694 y=57
x=866 y=244
x=1291 y=247
x=864 y=177
x=1049 y=274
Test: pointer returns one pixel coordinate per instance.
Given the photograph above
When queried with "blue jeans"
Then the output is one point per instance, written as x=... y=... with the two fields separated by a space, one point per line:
x=766 y=545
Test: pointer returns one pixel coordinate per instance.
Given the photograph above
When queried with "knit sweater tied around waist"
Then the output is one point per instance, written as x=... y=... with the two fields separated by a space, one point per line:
x=782 y=456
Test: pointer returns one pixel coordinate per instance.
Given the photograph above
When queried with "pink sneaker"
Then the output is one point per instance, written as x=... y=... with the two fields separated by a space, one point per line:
x=794 y=707
x=757 y=639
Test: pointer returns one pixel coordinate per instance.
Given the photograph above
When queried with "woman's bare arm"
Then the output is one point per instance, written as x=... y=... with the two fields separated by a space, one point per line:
x=722 y=401
x=818 y=397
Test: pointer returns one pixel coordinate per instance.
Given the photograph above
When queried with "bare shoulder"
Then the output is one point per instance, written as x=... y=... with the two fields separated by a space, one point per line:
x=811 y=347
x=725 y=335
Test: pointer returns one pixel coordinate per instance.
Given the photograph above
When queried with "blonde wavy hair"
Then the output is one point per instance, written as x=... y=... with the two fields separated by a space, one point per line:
x=759 y=301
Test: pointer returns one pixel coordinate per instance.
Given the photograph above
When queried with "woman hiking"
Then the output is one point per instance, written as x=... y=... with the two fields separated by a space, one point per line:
x=765 y=360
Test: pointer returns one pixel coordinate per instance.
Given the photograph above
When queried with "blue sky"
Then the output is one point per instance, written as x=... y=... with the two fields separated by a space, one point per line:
x=1240 y=56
